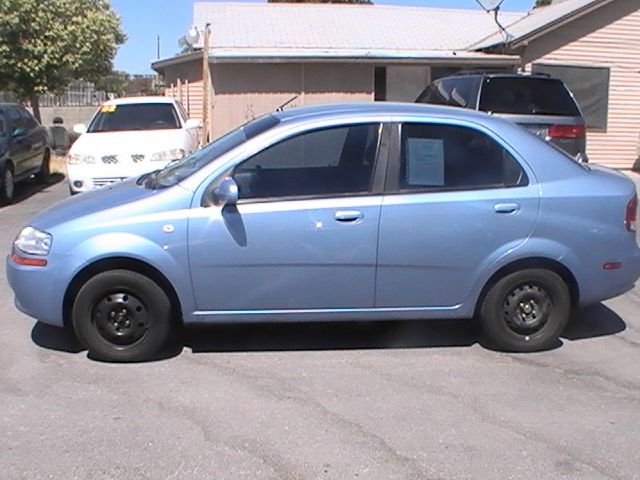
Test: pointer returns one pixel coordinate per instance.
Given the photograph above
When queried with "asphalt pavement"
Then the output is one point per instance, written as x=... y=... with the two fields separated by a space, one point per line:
x=403 y=400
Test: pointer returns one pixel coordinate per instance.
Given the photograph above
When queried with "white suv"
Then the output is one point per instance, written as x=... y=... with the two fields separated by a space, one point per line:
x=128 y=137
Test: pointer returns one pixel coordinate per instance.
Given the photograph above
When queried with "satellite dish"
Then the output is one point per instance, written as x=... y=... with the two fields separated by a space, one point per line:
x=490 y=5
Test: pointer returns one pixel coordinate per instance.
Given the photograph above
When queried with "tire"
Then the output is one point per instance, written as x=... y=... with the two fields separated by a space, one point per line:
x=122 y=316
x=7 y=184
x=45 y=168
x=526 y=311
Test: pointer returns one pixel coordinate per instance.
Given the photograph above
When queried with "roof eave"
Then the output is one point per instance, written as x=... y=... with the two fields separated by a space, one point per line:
x=528 y=37
x=160 y=65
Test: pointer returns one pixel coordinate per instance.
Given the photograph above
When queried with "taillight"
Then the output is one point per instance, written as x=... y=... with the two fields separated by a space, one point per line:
x=631 y=217
x=567 y=131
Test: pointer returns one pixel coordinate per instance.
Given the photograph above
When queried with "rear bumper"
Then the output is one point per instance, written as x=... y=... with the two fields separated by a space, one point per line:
x=604 y=284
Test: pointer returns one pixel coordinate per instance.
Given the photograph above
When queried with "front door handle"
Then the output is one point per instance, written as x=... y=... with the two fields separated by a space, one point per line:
x=506 y=207
x=348 y=215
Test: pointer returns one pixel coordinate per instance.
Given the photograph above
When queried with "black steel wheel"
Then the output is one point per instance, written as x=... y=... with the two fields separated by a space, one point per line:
x=122 y=316
x=7 y=183
x=526 y=310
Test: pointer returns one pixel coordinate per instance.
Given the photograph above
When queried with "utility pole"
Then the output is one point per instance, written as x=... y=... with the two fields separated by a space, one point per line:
x=206 y=87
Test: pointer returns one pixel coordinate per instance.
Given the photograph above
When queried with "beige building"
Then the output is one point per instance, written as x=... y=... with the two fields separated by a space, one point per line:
x=262 y=56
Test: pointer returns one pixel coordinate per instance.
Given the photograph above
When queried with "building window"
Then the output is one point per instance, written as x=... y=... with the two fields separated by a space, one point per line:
x=380 y=84
x=590 y=87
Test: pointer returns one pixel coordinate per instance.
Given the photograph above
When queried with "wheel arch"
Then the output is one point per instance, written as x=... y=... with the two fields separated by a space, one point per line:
x=528 y=263
x=119 y=263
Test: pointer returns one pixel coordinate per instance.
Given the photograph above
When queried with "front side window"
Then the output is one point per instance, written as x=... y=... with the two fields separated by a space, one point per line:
x=141 y=116
x=330 y=161
x=452 y=157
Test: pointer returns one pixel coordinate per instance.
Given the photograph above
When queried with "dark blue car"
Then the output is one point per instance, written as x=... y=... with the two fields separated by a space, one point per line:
x=24 y=149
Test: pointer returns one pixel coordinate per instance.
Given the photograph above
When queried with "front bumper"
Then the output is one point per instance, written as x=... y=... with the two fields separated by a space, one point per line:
x=38 y=291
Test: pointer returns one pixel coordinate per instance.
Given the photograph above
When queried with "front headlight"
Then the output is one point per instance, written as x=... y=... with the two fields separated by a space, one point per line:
x=33 y=241
x=77 y=159
x=168 y=155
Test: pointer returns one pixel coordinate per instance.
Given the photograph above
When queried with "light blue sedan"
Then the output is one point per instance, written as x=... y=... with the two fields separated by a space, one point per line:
x=338 y=212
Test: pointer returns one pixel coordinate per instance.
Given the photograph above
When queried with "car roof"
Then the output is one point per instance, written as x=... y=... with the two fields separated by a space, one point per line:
x=138 y=100
x=388 y=109
x=536 y=75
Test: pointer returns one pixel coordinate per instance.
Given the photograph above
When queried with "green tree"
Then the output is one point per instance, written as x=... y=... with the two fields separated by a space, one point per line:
x=44 y=45
x=113 y=82
x=542 y=3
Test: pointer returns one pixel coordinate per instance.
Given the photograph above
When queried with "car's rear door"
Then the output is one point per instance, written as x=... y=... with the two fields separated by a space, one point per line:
x=35 y=139
x=456 y=200
x=303 y=236
x=19 y=147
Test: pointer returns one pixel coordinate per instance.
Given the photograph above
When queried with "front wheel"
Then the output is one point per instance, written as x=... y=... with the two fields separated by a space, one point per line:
x=122 y=316
x=526 y=311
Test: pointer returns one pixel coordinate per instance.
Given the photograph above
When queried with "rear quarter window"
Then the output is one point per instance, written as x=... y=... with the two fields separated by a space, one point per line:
x=527 y=96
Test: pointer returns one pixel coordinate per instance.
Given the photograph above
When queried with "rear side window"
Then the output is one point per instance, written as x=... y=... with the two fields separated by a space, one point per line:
x=27 y=118
x=449 y=157
x=527 y=96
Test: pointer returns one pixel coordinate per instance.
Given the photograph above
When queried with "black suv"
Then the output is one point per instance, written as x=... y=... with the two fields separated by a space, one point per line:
x=24 y=149
x=539 y=103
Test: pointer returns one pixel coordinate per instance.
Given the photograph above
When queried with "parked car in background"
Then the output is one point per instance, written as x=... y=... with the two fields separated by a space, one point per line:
x=128 y=137
x=373 y=211
x=541 y=104
x=24 y=149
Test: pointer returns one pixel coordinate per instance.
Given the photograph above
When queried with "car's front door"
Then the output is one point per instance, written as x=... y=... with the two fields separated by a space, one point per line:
x=457 y=200
x=303 y=235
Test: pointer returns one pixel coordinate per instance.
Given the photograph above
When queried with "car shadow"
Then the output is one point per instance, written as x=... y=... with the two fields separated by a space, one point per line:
x=29 y=188
x=346 y=335
x=55 y=338
x=589 y=322
x=593 y=321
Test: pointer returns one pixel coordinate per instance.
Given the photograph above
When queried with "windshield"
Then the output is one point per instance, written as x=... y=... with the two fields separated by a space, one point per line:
x=177 y=171
x=135 y=116
x=527 y=96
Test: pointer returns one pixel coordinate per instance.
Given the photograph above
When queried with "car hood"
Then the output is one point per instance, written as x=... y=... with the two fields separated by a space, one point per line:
x=115 y=201
x=130 y=142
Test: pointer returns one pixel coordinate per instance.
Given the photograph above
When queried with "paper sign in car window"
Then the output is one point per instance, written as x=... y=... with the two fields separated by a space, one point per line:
x=108 y=108
x=425 y=162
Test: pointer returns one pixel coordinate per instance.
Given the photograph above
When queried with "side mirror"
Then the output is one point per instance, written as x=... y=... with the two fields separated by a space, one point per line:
x=192 y=123
x=226 y=193
x=80 y=128
x=19 y=132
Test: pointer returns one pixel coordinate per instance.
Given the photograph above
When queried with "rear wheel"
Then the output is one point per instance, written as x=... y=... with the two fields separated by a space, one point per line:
x=526 y=310
x=122 y=316
x=45 y=168
x=7 y=183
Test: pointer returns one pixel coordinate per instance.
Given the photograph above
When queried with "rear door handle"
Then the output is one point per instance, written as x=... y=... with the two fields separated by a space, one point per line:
x=506 y=207
x=348 y=215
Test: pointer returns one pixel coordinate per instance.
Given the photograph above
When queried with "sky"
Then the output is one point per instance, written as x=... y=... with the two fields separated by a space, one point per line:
x=145 y=20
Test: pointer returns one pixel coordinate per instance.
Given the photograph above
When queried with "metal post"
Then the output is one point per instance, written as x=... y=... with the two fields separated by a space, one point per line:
x=206 y=86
